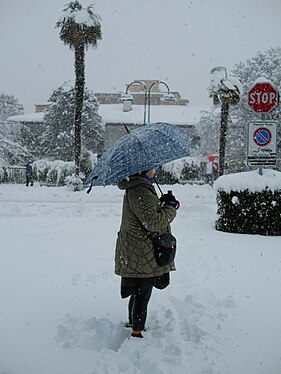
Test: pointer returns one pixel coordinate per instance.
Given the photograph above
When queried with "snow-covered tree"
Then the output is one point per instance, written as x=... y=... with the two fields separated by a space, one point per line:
x=79 y=28
x=208 y=130
x=11 y=152
x=225 y=91
x=266 y=64
x=57 y=141
x=31 y=138
x=9 y=106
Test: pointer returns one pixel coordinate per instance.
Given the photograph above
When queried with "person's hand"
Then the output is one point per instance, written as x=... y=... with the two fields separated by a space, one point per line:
x=168 y=199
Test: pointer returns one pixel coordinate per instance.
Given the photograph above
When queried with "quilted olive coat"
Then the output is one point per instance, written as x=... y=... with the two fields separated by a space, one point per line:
x=134 y=257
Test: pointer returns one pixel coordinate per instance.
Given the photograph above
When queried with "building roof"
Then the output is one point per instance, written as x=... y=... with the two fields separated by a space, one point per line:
x=175 y=114
x=31 y=117
x=113 y=113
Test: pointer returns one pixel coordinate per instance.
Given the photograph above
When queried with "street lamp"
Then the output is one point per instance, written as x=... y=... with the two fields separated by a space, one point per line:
x=147 y=92
x=128 y=96
x=166 y=96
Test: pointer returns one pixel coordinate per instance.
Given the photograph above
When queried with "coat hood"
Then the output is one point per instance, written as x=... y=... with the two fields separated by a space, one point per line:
x=132 y=181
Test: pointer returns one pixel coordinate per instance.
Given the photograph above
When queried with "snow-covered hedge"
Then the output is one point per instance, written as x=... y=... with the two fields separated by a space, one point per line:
x=52 y=172
x=249 y=203
x=58 y=172
x=183 y=170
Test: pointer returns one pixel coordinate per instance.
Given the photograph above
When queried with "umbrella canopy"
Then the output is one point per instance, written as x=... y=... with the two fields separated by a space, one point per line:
x=142 y=149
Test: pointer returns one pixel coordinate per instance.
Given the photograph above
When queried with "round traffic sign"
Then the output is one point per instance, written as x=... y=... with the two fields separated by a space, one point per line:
x=262 y=136
x=263 y=97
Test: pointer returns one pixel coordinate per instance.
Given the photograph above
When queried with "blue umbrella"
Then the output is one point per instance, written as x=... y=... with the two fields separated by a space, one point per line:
x=141 y=149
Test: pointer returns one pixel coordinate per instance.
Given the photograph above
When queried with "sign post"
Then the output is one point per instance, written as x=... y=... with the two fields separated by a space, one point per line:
x=262 y=150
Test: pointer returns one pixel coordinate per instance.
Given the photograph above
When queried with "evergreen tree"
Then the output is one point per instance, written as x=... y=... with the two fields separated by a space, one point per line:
x=11 y=152
x=9 y=106
x=57 y=141
x=80 y=28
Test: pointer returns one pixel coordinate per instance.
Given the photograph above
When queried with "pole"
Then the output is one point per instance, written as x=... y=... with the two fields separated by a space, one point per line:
x=223 y=131
x=149 y=90
x=145 y=96
x=145 y=104
x=263 y=119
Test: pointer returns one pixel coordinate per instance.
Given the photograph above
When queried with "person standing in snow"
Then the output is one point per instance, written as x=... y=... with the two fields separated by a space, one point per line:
x=29 y=173
x=209 y=171
x=143 y=214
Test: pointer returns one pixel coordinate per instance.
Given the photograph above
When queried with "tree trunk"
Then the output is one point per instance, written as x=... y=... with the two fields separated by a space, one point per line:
x=79 y=97
x=223 y=131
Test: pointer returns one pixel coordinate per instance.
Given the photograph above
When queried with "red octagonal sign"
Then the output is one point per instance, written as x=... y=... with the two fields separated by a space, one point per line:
x=263 y=97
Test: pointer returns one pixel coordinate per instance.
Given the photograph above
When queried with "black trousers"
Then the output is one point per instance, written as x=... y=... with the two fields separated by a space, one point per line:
x=29 y=179
x=139 y=290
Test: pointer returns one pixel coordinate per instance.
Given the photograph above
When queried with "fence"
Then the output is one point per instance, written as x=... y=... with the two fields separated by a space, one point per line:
x=12 y=174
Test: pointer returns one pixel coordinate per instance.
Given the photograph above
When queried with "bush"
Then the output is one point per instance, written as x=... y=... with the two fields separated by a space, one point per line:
x=250 y=210
x=55 y=173
x=249 y=213
x=52 y=173
x=74 y=183
x=187 y=169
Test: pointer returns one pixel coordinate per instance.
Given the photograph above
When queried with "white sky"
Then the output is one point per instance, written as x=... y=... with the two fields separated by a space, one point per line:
x=178 y=41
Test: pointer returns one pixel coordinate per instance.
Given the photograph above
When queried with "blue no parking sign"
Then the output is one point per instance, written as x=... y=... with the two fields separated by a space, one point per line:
x=262 y=136
x=262 y=143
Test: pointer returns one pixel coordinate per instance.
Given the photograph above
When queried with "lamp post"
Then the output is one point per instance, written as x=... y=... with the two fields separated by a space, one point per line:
x=147 y=92
x=167 y=96
x=129 y=97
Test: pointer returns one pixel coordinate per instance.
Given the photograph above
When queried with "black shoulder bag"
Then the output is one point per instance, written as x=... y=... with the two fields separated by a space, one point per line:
x=165 y=246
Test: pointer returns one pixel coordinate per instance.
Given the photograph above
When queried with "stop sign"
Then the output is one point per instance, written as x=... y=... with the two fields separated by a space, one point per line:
x=263 y=97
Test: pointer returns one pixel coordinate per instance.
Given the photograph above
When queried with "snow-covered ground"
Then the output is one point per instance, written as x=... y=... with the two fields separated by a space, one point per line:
x=61 y=312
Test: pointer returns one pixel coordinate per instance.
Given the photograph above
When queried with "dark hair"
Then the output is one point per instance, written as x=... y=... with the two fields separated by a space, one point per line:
x=144 y=172
x=140 y=173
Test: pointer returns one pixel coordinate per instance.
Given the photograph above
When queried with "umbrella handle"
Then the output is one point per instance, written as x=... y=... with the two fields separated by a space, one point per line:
x=91 y=185
x=158 y=186
x=126 y=128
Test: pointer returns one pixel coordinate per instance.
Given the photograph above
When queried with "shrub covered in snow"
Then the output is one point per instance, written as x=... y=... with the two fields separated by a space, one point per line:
x=60 y=172
x=87 y=161
x=52 y=172
x=249 y=203
x=75 y=183
x=182 y=170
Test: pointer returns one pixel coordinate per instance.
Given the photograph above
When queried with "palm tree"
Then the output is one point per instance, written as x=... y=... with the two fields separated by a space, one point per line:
x=226 y=91
x=80 y=28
